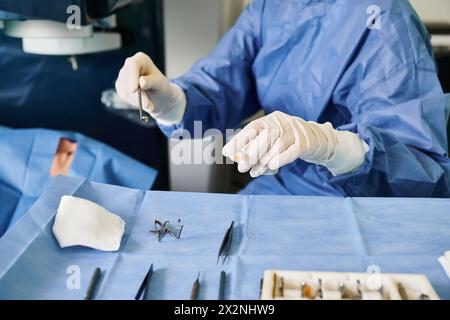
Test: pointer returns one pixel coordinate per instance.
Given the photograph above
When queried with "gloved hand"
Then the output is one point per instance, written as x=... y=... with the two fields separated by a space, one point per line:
x=277 y=139
x=164 y=101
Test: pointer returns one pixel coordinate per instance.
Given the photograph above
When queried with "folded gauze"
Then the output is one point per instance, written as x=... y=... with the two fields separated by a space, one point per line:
x=81 y=222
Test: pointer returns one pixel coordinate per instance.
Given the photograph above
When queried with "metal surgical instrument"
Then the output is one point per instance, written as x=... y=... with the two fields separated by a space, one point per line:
x=424 y=297
x=402 y=291
x=161 y=229
x=358 y=295
x=142 y=116
x=274 y=286
x=93 y=284
x=306 y=290
x=278 y=286
x=145 y=285
x=223 y=278
x=342 y=290
x=281 y=287
x=195 y=288
x=261 y=284
x=226 y=244
x=319 y=290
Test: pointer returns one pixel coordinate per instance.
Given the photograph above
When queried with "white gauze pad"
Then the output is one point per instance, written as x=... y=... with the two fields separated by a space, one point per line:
x=81 y=222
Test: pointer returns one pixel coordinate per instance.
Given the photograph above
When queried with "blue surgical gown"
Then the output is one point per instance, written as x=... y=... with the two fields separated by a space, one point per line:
x=318 y=60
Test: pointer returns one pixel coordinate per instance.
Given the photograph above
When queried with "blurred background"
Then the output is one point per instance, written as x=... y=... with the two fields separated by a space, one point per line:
x=186 y=42
x=69 y=85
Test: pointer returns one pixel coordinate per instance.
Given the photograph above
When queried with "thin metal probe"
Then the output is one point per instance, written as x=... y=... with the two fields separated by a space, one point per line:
x=302 y=289
x=342 y=290
x=261 y=284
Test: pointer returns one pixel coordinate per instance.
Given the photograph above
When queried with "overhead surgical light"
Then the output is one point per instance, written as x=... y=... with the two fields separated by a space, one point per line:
x=69 y=28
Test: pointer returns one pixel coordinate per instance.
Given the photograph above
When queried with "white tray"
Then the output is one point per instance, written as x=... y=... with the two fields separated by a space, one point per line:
x=374 y=286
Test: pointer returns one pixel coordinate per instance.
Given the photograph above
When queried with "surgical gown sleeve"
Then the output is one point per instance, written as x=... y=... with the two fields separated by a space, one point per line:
x=396 y=104
x=220 y=89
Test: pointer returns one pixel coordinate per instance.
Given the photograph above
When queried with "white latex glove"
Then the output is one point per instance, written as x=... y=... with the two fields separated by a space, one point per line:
x=277 y=139
x=164 y=101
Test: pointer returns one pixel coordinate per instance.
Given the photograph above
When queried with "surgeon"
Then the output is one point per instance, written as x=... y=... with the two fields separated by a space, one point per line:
x=350 y=91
